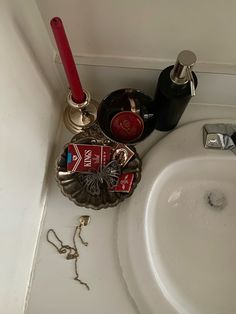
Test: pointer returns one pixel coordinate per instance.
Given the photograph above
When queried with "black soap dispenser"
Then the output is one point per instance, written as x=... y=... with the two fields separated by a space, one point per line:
x=176 y=85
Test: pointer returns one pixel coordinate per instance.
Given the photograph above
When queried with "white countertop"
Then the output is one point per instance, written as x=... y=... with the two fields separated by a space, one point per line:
x=53 y=289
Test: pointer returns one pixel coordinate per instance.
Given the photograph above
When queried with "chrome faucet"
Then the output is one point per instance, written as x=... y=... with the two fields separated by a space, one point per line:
x=220 y=136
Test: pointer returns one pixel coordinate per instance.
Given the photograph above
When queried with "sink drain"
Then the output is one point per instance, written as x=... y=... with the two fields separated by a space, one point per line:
x=216 y=199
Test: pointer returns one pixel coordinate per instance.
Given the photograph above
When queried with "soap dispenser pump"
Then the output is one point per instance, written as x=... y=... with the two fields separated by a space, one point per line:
x=176 y=85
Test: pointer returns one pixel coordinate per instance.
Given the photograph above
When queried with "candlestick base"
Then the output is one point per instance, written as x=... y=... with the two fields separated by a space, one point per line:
x=80 y=116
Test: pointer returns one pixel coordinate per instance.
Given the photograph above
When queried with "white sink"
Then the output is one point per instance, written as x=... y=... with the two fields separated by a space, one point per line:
x=177 y=233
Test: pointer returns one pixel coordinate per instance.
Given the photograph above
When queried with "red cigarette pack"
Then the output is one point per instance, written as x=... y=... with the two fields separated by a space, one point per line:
x=82 y=158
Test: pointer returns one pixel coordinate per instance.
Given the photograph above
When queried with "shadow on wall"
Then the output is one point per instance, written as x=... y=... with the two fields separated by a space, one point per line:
x=37 y=44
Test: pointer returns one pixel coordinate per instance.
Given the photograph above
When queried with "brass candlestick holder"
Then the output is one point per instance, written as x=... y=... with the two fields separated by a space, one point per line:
x=79 y=116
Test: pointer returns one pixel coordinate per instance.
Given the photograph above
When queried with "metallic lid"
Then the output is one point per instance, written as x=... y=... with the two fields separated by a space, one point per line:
x=182 y=71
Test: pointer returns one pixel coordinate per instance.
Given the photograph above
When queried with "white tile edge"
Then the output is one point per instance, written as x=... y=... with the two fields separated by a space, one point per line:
x=146 y=63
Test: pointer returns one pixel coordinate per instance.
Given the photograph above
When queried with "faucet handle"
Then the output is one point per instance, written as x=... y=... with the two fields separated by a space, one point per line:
x=220 y=136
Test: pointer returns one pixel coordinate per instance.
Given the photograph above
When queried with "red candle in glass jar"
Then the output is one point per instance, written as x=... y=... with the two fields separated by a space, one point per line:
x=127 y=126
x=127 y=115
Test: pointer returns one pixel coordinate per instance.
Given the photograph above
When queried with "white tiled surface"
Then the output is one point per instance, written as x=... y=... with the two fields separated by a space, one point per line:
x=53 y=289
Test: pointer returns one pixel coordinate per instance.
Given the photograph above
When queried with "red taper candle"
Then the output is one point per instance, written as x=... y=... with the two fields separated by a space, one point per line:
x=67 y=60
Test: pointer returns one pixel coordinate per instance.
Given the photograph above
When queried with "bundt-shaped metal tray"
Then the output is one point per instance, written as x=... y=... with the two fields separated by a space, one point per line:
x=71 y=184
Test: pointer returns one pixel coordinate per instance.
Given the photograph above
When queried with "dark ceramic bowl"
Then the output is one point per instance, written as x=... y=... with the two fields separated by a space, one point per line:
x=127 y=100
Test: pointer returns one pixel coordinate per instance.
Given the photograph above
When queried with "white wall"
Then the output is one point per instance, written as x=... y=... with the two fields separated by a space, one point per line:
x=30 y=105
x=146 y=32
x=128 y=42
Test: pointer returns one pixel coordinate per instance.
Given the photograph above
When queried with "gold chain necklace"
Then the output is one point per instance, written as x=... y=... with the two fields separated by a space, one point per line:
x=71 y=251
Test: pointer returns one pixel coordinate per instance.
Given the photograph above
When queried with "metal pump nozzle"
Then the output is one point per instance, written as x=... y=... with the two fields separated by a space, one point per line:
x=182 y=71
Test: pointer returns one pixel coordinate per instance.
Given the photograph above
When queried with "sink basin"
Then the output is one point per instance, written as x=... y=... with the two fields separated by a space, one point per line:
x=177 y=234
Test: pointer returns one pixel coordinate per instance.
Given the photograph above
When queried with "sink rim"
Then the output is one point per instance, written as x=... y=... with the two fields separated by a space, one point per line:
x=133 y=248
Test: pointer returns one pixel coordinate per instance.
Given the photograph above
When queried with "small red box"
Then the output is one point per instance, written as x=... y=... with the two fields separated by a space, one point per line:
x=125 y=183
x=82 y=158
